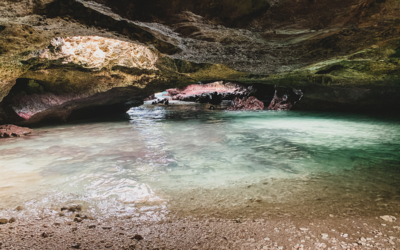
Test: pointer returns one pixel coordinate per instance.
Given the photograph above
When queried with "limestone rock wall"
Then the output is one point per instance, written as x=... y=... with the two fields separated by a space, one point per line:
x=82 y=54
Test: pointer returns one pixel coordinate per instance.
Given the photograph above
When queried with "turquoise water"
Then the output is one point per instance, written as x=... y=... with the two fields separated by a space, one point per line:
x=187 y=159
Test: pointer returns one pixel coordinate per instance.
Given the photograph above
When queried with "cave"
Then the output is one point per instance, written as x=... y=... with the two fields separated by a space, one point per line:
x=214 y=124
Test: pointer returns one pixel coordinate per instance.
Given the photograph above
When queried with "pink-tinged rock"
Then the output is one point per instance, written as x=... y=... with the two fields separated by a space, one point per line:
x=247 y=103
x=285 y=98
x=211 y=92
x=13 y=131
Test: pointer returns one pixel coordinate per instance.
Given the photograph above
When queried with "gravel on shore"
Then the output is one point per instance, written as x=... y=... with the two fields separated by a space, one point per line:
x=270 y=232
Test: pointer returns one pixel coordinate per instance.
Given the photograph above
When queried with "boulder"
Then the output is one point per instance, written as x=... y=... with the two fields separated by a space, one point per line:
x=285 y=98
x=13 y=131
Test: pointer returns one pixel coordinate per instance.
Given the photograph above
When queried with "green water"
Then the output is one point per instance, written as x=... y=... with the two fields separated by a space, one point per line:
x=190 y=160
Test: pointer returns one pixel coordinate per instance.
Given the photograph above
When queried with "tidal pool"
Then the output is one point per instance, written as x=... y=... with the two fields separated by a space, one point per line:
x=187 y=160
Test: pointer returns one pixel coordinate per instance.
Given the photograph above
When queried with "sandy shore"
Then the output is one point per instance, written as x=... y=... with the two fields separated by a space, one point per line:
x=269 y=232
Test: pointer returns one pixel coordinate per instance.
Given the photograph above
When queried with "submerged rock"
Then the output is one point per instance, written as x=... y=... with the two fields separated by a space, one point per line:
x=250 y=103
x=13 y=131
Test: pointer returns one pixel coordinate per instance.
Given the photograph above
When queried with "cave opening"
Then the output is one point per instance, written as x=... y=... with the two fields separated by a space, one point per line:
x=213 y=124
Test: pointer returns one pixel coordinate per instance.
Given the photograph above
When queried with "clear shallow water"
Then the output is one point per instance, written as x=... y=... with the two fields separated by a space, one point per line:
x=190 y=160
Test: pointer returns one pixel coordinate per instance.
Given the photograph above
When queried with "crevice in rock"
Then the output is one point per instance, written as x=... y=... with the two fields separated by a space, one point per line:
x=285 y=98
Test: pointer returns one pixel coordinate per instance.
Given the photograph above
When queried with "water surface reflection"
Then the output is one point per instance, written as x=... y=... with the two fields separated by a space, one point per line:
x=192 y=160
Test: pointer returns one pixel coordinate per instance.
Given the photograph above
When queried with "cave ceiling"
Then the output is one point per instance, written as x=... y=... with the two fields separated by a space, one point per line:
x=77 y=49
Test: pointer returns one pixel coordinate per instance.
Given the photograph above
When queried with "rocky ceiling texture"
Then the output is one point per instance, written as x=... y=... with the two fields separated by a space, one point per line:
x=60 y=58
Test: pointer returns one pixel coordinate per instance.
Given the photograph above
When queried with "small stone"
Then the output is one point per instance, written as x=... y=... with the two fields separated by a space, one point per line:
x=57 y=223
x=3 y=221
x=324 y=236
x=77 y=219
x=44 y=235
x=91 y=226
x=108 y=245
x=19 y=208
x=72 y=208
x=12 y=220
x=137 y=237
x=303 y=229
x=388 y=218
x=106 y=227
x=76 y=245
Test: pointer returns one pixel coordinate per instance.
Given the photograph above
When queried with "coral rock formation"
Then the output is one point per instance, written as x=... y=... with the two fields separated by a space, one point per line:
x=13 y=131
x=212 y=93
x=247 y=103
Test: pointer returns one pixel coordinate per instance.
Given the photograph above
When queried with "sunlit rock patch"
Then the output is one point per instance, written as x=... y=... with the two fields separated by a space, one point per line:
x=211 y=92
x=99 y=52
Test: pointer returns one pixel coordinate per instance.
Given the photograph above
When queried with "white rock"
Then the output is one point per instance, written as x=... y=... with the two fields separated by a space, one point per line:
x=388 y=218
x=324 y=236
x=303 y=229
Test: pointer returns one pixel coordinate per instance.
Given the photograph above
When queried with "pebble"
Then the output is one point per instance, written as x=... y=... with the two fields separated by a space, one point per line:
x=137 y=237
x=44 y=235
x=388 y=218
x=76 y=245
x=91 y=226
x=3 y=221
x=19 y=208
x=72 y=208
x=12 y=220
x=77 y=219
x=106 y=227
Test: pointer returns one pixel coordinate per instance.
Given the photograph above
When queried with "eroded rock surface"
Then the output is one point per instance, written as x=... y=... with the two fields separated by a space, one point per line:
x=13 y=131
x=87 y=54
x=246 y=103
x=212 y=93
x=285 y=99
